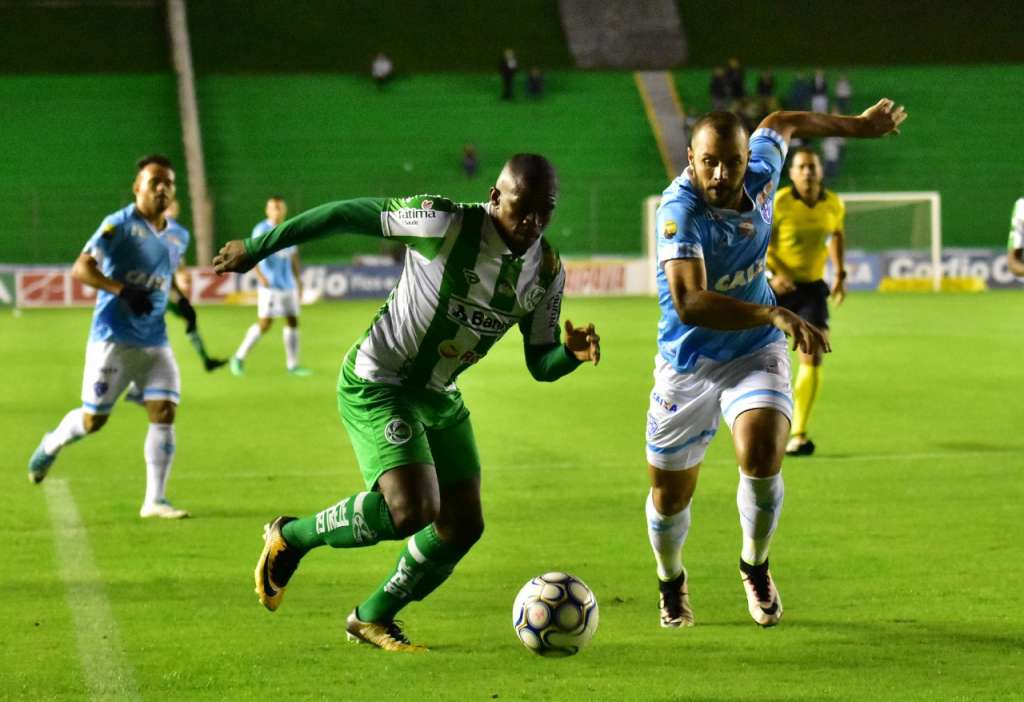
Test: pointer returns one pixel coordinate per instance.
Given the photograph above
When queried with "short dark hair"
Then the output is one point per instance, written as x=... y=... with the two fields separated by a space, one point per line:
x=158 y=159
x=723 y=123
x=533 y=169
x=279 y=198
x=803 y=150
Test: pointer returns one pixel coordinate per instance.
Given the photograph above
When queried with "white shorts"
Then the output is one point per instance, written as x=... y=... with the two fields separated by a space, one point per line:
x=684 y=410
x=110 y=366
x=277 y=303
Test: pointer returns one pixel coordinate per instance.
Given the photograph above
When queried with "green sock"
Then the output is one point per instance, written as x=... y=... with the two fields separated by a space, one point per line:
x=360 y=520
x=198 y=345
x=425 y=563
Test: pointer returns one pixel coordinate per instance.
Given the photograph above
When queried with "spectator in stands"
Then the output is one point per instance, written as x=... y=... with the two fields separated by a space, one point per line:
x=844 y=91
x=470 y=163
x=535 y=83
x=718 y=89
x=766 y=85
x=832 y=156
x=382 y=69
x=819 y=92
x=508 y=66
x=735 y=80
x=799 y=94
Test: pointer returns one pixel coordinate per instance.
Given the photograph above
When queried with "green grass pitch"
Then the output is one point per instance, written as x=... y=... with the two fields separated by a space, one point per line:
x=898 y=555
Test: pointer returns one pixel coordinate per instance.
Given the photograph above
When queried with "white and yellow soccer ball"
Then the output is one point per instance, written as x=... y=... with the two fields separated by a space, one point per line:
x=555 y=614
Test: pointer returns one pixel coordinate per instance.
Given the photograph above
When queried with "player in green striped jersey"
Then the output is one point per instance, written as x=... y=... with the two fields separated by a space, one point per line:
x=472 y=272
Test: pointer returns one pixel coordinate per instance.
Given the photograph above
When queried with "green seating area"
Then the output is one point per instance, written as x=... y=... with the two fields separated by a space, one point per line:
x=70 y=146
x=314 y=139
x=962 y=140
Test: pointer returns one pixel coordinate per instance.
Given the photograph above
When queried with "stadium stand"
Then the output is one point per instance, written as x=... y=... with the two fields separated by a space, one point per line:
x=318 y=138
x=962 y=141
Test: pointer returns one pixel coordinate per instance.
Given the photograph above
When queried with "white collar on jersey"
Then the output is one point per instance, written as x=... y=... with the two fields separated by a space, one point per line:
x=156 y=232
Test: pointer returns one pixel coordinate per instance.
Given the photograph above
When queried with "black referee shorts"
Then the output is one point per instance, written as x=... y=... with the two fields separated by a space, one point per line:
x=810 y=301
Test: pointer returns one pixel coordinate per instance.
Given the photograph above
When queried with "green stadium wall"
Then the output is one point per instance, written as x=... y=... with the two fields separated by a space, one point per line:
x=71 y=143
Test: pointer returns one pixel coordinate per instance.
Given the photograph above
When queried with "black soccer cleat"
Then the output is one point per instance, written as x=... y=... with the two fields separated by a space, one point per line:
x=674 y=603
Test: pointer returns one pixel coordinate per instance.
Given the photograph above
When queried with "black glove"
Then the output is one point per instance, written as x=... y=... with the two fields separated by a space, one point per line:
x=137 y=298
x=188 y=313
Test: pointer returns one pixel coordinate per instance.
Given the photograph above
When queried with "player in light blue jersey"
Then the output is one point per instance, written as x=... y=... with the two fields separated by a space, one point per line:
x=721 y=349
x=131 y=261
x=279 y=295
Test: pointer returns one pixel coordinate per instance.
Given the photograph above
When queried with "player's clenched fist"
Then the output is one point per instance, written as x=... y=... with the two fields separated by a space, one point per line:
x=232 y=258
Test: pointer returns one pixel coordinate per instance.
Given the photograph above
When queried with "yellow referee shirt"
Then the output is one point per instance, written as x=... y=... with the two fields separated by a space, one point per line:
x=800 y=233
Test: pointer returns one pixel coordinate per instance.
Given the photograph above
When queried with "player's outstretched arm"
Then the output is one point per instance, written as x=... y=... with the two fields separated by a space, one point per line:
x=700 y=307
x=359 y=216
x=881 y=119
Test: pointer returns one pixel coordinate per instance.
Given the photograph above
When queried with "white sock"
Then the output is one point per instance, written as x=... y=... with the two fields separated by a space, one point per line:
x=159 y=452
x=760 y=503
x=291 y=346
x=251 y=337
x=70 y=430
x=667 y=535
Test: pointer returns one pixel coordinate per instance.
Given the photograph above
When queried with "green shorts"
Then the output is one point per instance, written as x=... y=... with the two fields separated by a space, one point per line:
x=391 y=426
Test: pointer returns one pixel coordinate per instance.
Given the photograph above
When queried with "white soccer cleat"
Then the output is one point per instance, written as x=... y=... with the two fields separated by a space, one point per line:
x=162 y=509
x=763 y=601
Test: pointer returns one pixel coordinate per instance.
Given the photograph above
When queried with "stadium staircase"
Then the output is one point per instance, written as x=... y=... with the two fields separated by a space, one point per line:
x=623 y=33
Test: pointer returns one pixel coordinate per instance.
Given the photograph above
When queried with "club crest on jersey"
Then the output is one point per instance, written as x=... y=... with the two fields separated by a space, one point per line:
x=534 y=296
x=471 y=277
x=100 y=387
x=652 y=425
x=746 y=228
x=137 y=232
x=670 y=229
x=764 y=201
x=427 y=204
x=397 y=432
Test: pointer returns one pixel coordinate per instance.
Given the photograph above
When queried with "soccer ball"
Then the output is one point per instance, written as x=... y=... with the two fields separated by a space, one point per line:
x=555 y=614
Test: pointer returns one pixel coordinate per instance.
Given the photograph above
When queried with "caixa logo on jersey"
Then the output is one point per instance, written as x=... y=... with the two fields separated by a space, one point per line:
x=151 y=282
x=741 y=277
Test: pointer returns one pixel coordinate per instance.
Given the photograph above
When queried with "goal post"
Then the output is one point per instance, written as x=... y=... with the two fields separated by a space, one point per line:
x=875 y=222
x=882 y=221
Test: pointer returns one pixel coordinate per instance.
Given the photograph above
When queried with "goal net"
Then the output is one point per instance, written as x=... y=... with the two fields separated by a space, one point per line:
x=905 y=222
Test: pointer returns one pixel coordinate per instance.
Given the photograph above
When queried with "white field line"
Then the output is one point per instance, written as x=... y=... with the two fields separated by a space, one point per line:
x=107 y=677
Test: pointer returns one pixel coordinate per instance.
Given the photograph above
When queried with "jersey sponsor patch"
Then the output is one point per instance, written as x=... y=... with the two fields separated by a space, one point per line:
x=482 y=320
x=670 y=229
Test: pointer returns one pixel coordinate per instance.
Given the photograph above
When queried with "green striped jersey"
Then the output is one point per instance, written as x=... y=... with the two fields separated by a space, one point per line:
x=460 y=291
x=1017 y=227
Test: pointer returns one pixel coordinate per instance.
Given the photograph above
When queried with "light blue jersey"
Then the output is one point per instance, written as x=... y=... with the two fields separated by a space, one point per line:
x=732 y=245
x=129 y=250
x=277 y=267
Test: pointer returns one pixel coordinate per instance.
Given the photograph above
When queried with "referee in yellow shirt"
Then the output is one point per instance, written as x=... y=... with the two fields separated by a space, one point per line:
x=807 y=228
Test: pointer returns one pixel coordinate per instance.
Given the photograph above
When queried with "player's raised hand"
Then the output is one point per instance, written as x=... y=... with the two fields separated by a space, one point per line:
x=883 y=118
x=232 y=258
x=583 y=342
x=806 y=337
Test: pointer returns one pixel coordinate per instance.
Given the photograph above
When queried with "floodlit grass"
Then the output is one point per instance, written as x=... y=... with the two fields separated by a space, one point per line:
x=898 y=556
